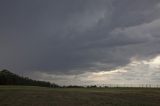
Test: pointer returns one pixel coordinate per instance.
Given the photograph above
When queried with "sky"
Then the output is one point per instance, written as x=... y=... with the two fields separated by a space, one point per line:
x=78 y=42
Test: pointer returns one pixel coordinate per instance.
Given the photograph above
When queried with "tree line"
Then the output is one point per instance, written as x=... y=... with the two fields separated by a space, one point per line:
x=8 y=78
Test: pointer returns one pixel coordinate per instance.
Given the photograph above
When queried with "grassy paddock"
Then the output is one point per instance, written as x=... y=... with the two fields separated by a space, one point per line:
x=40 y=96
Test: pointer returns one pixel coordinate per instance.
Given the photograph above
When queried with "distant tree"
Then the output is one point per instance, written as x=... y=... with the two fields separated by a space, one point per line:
x=73 y=86
x=8 y=78
x=92 y=86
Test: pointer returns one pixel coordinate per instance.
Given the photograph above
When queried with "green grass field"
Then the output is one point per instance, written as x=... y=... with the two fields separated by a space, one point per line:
x=39 y=96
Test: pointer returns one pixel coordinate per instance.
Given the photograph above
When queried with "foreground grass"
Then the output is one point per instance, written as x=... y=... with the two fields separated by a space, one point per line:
x=39 y=96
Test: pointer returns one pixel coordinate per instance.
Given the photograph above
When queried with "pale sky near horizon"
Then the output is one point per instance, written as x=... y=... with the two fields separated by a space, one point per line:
x=82 y=41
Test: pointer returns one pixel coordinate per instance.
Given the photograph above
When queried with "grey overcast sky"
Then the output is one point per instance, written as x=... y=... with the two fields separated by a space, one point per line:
x=77 y=41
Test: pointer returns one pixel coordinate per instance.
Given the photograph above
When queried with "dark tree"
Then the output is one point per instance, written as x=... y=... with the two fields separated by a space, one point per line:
x=8 y=78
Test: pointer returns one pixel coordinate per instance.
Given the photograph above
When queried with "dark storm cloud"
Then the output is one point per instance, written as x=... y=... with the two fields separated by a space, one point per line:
x=77 y=35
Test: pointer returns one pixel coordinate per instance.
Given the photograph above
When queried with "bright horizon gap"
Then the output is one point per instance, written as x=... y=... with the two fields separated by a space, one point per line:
x=110 y=77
